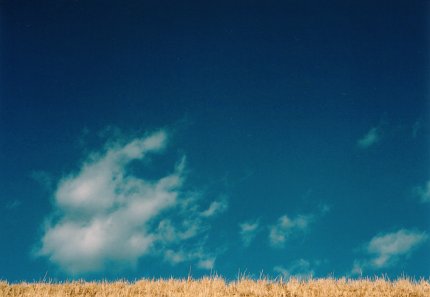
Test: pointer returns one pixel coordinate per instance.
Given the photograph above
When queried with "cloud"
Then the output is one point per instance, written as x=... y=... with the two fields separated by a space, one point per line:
x=423 y=192
x=106 y=217
x=385 y=250
x=300 y=269
x=215 y=208
x=372 y=137
x=286 y=226
x=248 y=231
x=204 y=260
x=207 y=264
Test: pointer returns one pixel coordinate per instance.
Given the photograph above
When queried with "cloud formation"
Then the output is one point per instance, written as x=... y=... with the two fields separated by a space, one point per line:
x=215 y=208
x=423 y=192
x=385 y=250
x=286 y=226
x=372 y=137
x=248 y=231
x=204 y=260
x=106 y=216
x=300 y=269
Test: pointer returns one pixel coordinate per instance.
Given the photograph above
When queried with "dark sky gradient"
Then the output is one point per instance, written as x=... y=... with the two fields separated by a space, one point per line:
x=267 y=100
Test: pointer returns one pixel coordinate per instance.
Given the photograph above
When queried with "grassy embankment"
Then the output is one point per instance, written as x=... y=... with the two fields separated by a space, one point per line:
x=218 y=287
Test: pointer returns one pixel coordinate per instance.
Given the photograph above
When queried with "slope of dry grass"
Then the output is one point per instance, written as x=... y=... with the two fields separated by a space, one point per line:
x=218 y=287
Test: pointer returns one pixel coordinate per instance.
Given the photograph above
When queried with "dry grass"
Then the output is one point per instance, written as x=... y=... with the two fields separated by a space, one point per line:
x=218 y=287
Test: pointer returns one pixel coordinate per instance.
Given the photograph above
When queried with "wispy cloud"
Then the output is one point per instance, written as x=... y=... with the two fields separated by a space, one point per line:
x=286 y=226
x=248 y=231
x=105 y=216
x=215 y=208
x=385 y=250
x=372 y=137
x=300 y=269
x=423 y=192
x=204 y=260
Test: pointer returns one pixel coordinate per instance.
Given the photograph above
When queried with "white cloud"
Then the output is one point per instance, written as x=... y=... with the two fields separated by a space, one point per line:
x=372 y=137
x=423 y=192
x=106 y=216
x=248 y=231
x=204 y=259
x=300 y=269
x=207 y=264
x=385 y=250
x=286 y=226
x=215 y=208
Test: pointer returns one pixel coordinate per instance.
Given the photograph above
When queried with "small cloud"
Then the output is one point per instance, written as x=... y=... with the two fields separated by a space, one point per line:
x=248 y=231
x=207 y=264
x=175 y=257
x=300 y=269
x=388 y=247
x=104 y=215
x=423 y=192
x=372 y=137
x=215 y=208
x=287 y=226
x=385 y=250
x=204 y=260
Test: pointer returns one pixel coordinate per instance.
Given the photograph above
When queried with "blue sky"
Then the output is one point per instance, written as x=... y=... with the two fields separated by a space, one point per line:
x=152 y=139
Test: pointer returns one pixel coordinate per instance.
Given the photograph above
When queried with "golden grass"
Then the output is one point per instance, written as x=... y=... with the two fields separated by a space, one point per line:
x=218 y=287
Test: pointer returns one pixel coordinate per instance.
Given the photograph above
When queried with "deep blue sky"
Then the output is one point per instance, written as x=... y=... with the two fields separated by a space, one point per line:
x=305 y=124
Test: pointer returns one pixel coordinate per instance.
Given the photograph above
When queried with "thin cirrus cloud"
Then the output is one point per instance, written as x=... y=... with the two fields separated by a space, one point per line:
x=104 y=216
x=286 y=226
x=300 y=269
x=372 y=137
x=215 y=208
x=248 y=231
x=423 y=192
x=385 y=250
x=204 y=260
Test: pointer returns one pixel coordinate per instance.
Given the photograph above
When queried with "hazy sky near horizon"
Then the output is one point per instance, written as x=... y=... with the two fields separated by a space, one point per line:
x=162 y=138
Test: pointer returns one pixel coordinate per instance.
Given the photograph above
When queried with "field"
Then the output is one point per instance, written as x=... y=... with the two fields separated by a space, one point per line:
x=218 y=287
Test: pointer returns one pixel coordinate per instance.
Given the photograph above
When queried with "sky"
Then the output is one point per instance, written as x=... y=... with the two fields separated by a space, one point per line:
x=147 y=139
